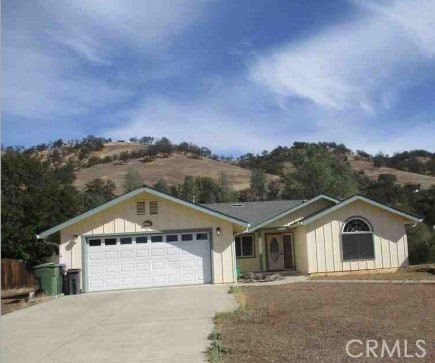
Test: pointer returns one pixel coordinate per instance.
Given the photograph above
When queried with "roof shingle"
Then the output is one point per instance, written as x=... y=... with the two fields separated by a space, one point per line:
x=254 y=212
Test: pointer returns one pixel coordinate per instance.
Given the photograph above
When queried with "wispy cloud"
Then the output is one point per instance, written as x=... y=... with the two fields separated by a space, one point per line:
x=46 y=45
x=350 y=65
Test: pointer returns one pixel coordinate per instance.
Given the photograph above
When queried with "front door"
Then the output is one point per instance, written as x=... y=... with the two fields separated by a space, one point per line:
x=275 y=252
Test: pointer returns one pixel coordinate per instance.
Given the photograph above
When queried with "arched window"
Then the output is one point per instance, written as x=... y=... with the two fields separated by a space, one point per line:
x=357 y=240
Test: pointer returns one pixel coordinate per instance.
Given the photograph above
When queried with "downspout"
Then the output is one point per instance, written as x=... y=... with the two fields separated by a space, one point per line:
x=59 y=251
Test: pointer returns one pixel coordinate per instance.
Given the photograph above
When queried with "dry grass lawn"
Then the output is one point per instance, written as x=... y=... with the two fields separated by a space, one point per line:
x=401 y=275
x=311 y=322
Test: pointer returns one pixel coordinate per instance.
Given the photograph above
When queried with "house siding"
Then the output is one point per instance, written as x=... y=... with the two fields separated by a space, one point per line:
x=121 y=218
x=300 y=248
x=324 y=240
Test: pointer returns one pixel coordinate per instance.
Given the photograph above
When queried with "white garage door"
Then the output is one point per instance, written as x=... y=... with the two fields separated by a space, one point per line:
x=127 y=262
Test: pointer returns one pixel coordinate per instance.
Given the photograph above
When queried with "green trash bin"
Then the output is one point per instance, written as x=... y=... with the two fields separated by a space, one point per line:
x=50 y=278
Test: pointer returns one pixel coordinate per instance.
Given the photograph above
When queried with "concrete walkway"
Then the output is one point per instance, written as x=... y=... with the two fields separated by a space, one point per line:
x=158 y=325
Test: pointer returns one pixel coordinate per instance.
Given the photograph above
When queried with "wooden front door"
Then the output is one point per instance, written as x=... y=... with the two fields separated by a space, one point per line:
x=275 y=252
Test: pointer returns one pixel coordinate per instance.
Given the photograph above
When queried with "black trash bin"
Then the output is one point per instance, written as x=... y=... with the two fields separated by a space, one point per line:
x=73 y=281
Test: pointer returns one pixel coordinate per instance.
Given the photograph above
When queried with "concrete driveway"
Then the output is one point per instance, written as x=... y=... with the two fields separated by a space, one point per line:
x=158 y=325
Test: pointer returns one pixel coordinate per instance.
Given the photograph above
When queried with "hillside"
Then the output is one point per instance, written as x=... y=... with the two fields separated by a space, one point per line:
x=403 y=177
x=155 y=160
x=172 y=169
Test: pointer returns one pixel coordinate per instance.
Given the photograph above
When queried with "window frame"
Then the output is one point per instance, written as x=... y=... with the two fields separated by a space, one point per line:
x=370 y=232
x=241 y=247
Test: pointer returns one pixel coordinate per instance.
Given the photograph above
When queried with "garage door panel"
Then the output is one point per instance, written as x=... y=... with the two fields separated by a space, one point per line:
x=157 y=266
x=149 y=264
x=142 y=253
x=111 y=269
x=143 y=267
x=111 y=255
x=127 y=268
x=126 y=254
x=95 y=256
x=173 y=265
x=157 y=251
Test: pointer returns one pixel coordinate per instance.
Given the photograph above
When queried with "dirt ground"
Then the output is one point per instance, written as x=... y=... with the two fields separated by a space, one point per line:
x=311 y=322
x=401 y=275
x=17 y=299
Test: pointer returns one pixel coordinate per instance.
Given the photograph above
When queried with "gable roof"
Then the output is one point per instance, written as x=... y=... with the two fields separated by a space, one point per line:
x=323 y=212
x=254 y=212
x=259 y=214
x=133 y=193
x=291 y=210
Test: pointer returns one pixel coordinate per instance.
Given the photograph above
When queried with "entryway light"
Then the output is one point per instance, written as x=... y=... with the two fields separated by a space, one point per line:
x=218 y=231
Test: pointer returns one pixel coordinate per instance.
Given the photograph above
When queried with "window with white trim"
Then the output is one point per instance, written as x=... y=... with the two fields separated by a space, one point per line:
x=357 y=240
x=245 y=246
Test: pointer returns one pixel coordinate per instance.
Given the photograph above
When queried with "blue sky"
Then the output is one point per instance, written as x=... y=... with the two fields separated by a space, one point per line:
x=235 y=76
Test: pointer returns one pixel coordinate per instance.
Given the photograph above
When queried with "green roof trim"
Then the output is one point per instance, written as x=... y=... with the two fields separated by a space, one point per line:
x=354 y=198
x=133 y=193
x=291 y=210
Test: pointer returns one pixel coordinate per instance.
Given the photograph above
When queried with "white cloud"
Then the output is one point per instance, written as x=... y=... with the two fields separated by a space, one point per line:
x=204 y=123
x=348 y=66
x=417 y=18
x=45 y=43
x=91 y=27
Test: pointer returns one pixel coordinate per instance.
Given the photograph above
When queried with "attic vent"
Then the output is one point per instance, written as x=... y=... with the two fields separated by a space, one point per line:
x=237 y=205
x=154 y=207
x=140 y=208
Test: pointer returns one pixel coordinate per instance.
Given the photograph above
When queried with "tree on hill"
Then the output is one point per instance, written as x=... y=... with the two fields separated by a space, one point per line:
x=189 y=189
x=226 y=194
x=131 y=179
x=258 y=184
x=97 y=192
x=148 y=140
x=319 y=172
x=162 y=186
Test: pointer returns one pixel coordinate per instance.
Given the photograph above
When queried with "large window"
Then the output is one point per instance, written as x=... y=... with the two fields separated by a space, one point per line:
x=245 y=246
x=357 y=240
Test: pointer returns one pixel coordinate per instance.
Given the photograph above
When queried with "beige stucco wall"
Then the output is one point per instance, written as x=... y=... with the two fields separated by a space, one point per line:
x=122 y=218
x=324 y=240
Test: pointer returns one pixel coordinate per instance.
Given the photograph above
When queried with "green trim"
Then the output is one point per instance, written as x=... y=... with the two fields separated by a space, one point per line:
x=364 y=199
x=291 y=210
x=85 y=282
x=133 y=193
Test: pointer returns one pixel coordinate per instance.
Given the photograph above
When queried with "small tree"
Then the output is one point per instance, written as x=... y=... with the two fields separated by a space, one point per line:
x=258 y=184
x=162 y=186
x=97 y=192
x=131 y=180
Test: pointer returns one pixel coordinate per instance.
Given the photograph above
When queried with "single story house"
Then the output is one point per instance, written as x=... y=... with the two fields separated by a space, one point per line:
x=146 y=238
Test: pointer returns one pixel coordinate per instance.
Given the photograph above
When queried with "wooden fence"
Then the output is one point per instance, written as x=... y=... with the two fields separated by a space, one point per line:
x=16 y=274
